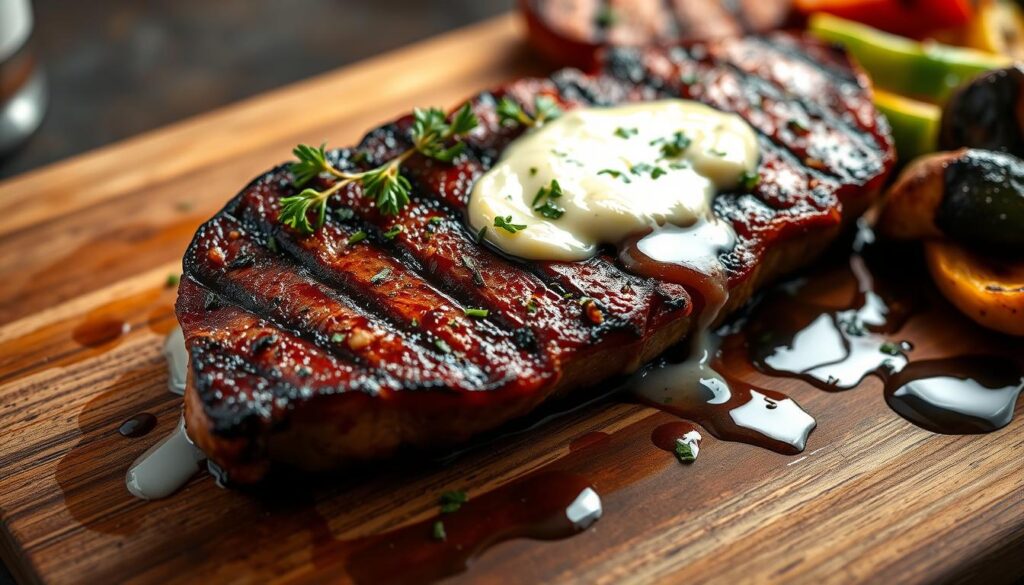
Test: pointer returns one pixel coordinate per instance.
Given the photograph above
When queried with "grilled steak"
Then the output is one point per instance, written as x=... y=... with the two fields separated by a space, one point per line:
x=320 y=350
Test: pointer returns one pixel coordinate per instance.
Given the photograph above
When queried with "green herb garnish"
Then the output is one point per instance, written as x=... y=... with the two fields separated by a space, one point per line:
x=356 y=237
x=393 y=232
x=605 y=17
x=432 y=134
x=477 y=313
x=544 y=110
x=172 y=280
x=890 y=348
x=615 y=175
x=749 y=180
x=684 y=452
x=337 y=338
x=506 y=224
x=673 y=147
x=439 y=532
x=550 y=210
x=626 y=132
x=453 y=500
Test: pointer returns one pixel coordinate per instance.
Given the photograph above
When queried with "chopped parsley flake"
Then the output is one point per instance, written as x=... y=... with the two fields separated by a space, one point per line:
x=684 y=452
x=550 y=210
x=506 y=224
x=338 y=338
x=749 y=180
x=615 y=175
x=439 y=532
x=393 y=232
x=626 y=132
x=477 y=313
x=443 y=345
x=172 y=280
x=890 y=348
x=673 y=147
x=436 y=219
x=481 y=234
x=357 y=237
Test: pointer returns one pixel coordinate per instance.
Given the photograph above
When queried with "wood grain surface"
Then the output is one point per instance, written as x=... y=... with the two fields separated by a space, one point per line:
x=873 y=498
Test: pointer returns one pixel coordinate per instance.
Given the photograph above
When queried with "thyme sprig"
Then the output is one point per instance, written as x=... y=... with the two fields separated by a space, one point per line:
x=544 y=110
x=433 y=135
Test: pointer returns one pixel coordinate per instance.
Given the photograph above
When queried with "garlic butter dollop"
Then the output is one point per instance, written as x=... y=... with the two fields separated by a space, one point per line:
x=599 y=175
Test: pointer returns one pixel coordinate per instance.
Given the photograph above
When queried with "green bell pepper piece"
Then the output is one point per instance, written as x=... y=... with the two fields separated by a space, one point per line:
x=915 y=125
x=927 y=70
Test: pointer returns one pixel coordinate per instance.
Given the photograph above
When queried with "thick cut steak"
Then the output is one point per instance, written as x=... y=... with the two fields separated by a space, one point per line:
x=315 y=352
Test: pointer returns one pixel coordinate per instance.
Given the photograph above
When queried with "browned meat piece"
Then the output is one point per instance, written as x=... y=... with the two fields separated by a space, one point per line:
x=319 y=350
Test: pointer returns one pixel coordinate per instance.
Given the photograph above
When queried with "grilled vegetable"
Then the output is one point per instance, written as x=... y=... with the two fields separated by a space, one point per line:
x=915 y=124
x=930 y=71
x=975 y=197
x=912 y=18
x=997 y=27
x=987 y=113
x=989 y=291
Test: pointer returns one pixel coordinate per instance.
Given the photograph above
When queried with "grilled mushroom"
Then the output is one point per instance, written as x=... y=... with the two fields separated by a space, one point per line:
x=987 y=113
x=975 y=197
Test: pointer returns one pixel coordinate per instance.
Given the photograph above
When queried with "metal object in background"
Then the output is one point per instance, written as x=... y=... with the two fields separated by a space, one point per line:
x=22 y=83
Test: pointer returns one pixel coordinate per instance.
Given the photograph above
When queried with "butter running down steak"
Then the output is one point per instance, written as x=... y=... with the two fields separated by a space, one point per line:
x=348 y=344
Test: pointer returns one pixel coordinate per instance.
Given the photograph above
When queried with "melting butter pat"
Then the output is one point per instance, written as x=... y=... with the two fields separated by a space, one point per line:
x=617 y=171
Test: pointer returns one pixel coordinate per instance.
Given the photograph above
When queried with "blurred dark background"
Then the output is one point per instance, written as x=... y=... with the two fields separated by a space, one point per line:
x=120 y=67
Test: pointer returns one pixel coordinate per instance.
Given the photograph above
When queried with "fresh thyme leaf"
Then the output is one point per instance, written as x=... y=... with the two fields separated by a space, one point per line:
x=890 y=348
x=684 y=452
x=356 y=237
x=311 y=163
x=442 y=345
x=545 y=109
x=432 y=136
x=337 y=338
x=172 y=280
x=506 y=224
x=477 y=313
x=481 y=234
x=453 y=500
x=750 y=180
x=550 y=210
x=435 y=220
x=393 y=232
x=657 y=172
x=625 y=132
x=295 y=209
x=380 y=276
x=438 y=531
x=511 y=113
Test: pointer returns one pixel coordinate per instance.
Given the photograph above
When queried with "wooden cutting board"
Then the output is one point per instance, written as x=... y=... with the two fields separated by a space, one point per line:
x=94 y=238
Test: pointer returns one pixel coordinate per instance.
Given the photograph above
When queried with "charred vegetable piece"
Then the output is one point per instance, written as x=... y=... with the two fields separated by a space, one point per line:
x=989 y=291
x=930 y=71
x=987 y=113
x=912 y=18
x=915 y=125
x=975 y=197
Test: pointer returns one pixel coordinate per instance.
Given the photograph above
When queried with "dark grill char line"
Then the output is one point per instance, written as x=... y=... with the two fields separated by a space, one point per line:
x=263 y=307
